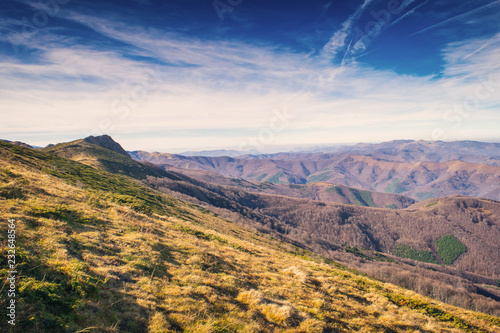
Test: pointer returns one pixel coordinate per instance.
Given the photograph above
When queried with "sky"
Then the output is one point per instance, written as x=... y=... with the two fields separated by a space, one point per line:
x=182 y=75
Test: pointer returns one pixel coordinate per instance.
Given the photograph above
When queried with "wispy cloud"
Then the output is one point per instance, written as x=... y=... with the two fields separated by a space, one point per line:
x=352 y=39
x=338 y=41
x=408 y=13
x=359 y=45
x=211 y=88
x=459 y=17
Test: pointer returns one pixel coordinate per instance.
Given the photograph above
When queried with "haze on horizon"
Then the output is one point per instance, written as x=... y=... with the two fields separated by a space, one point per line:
x=190 y=75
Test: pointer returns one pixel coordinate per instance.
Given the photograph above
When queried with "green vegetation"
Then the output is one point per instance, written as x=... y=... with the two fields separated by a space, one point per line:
x=362 y=198
x=424 y=195
x=260 y=177
x=237 y=181
x=367 y=197
x=51 y=296
x=319 y=178
x=408 y=251
x=354 y=250
x=14 y=187
x=201 y=234
x=264 y=185
x=391 y=206
x=90 y=261
x=367 y=255
x=276 y=178
x=450 y=248
x=117 y=188
x=395 y=187
x=60 y=213
x=106 y=159
x=358 y=197
x=337 y=190
x=433 y=311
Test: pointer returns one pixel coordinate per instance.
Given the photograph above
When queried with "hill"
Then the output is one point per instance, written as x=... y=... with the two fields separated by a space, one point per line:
x=105 y=141
x=104 y=153
x=18 y=143
x=314 y=191
x=101 y=252
x=408 y=151
x=378 y=238
x=390 y=170
x=220 y=152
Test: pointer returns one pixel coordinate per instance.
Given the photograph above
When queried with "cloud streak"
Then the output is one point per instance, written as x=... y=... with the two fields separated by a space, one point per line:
x=408 y=13
x=338 y=40
x=176 y=92
x=458 y=17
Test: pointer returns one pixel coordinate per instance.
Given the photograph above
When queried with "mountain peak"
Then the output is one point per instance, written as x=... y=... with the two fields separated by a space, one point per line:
x=18 y=143
x=107 y=142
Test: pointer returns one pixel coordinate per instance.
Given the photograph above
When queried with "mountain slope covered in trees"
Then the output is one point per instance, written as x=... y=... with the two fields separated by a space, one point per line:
x=102 y=252
x=417 y=169
x=373 y=240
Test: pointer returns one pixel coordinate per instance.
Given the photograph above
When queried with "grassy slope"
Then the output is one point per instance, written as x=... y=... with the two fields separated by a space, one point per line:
x=93 y=155
x=90 y=260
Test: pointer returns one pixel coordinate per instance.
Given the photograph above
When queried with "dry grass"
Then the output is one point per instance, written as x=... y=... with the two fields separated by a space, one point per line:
x=113 y=269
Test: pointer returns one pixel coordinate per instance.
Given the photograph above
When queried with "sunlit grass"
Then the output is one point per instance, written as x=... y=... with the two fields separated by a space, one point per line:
x=91 y=263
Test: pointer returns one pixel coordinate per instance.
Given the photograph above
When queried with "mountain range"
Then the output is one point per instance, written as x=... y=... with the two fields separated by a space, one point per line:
x=147 y=245
x=416 y=169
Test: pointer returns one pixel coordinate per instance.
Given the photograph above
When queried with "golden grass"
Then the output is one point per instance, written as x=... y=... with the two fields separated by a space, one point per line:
x=131 y=272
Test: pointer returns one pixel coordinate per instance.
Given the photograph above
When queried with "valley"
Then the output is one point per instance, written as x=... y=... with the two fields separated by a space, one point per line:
x=147 y=245
x=418 y=170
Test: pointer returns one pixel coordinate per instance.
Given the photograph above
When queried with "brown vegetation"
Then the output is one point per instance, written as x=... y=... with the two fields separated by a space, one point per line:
x=418 y=170
x=330 y=229
x=91 y=261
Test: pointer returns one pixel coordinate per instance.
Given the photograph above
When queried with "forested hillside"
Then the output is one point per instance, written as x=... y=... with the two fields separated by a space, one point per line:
x=420 y=170
x=100 y=252
x=370 y=239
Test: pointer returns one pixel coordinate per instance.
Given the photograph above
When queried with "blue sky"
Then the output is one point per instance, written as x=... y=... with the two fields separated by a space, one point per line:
x=178 y=75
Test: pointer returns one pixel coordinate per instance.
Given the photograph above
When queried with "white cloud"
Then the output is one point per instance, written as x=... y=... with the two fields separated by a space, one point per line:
x=461 y=16
x=338 y=40
x=408 y=13
x=374 y=28
x=223 y=87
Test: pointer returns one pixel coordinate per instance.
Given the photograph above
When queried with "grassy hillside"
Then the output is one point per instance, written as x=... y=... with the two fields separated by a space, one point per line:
x=106 y=159
x=329 y=229
x=92 y=258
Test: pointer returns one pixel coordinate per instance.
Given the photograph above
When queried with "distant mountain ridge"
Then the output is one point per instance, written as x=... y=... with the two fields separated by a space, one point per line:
x=418 y=169
x=396 y=150
x=402 y=151
x=372 y=239
x=332 y=223
x=220 y=152
x=102 y=251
